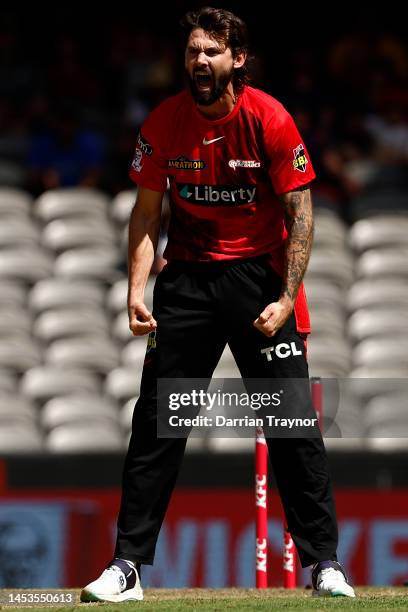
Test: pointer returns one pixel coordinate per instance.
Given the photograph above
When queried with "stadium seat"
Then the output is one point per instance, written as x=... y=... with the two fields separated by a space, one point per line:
x=77 y=438
x=134 y=352
x=387 y=415
x=120 y=328
x=15 y=203
x=330 y=358
x=17 y=232
x=63 y=234
x=98 y=264
x=126 y=413
x=371 y=294
x=14 y=320
x=345 y=445
x=226 y=369
x=369 y=382
x=54 y=293
x=79 y=322
x=331 y=265
x=387 y=445
x=329 y=231
x=386 y=323
x=375 y=353
x=342 y=410
x=321 y=293
x=89 y=354
x=379 y=232
x=20 y=438
x=328 y=321
x=122 y=205
x=43 y=383
x=13 y=295
x=385 y=263
x=123 y=383
x=79 y=409
x=16 y=409
x=71 y=202
x=117 y=296
x=19 y=353
x=25 y=265
x=8 y=381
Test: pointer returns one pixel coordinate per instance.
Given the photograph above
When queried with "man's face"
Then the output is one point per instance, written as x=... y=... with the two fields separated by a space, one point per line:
x=209 y=65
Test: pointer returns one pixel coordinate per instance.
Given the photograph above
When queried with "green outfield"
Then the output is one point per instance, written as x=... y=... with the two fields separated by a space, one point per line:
x=368 y=598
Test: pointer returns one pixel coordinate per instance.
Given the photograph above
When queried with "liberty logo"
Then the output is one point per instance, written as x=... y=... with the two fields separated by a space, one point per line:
x=217 y=195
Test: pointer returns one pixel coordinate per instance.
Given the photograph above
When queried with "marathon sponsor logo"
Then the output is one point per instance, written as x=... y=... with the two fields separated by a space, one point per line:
x=244 y=163
x=300 y=162
x=144 y=146
x=183 y=163
x=217 y=195
x=281 y=350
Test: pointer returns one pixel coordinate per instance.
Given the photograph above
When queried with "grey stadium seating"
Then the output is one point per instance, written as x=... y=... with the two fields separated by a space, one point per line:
x=64 y=328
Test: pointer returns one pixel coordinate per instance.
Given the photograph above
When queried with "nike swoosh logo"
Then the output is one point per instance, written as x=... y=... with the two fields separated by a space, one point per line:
x=207 y=142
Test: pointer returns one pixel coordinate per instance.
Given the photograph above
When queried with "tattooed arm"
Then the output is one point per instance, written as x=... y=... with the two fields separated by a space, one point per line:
x=299 y=224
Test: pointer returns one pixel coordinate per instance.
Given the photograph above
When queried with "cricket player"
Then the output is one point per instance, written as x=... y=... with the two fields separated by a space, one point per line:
x=239 y=242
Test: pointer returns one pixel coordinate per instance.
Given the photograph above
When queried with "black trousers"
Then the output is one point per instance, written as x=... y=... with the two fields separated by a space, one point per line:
x=199 y=307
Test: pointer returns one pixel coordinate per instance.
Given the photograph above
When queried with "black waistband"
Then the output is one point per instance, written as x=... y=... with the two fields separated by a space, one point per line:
x=218 y=263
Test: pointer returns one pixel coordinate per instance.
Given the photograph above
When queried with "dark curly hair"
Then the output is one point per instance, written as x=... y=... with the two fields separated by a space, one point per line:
x=225 y=28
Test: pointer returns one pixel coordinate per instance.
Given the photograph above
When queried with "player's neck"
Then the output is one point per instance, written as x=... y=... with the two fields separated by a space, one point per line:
x=222 y=107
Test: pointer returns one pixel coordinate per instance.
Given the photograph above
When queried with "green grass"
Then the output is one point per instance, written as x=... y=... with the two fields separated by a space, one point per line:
x=214 y=600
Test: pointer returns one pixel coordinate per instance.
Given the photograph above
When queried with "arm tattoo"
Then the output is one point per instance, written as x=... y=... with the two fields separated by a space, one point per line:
x=299 y=224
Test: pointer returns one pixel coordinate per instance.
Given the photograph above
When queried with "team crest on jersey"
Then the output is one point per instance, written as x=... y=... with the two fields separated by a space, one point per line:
x=183 y=163
x=300 y=162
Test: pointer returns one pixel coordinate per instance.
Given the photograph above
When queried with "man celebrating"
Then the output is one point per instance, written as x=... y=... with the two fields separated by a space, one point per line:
x=239 y=241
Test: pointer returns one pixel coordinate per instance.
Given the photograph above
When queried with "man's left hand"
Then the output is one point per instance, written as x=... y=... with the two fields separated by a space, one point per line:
x=274 y=316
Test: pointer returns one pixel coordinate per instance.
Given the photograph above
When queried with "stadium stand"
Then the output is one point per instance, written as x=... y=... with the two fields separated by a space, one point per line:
x=66 y=349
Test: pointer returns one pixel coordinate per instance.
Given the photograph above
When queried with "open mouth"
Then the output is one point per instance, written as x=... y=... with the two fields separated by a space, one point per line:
x=203 y=81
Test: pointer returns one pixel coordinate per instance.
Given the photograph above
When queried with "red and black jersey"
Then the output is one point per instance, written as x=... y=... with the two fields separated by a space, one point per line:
x=225 y=176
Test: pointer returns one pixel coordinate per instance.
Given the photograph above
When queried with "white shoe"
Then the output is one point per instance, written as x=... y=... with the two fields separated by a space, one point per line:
x=330 y=580
x=119 y=582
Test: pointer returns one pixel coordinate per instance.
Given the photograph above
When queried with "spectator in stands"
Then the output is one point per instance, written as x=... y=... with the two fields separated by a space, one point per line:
x=65 y=154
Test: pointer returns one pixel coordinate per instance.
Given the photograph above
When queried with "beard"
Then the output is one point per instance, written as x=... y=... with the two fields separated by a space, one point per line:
x=217 y=87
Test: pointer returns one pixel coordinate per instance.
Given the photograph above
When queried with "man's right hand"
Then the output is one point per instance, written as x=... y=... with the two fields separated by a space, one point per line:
x=141 y=321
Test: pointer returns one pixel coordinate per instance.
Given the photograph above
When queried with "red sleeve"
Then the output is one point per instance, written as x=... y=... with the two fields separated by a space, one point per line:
x=290 y=165
x=149 y=164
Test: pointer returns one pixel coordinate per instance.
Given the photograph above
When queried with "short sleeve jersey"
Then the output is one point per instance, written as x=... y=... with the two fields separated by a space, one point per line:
x=225 y=177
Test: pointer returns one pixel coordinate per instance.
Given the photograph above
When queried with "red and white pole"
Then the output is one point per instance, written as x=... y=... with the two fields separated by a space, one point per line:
x=289 y=561
x=261 y=519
